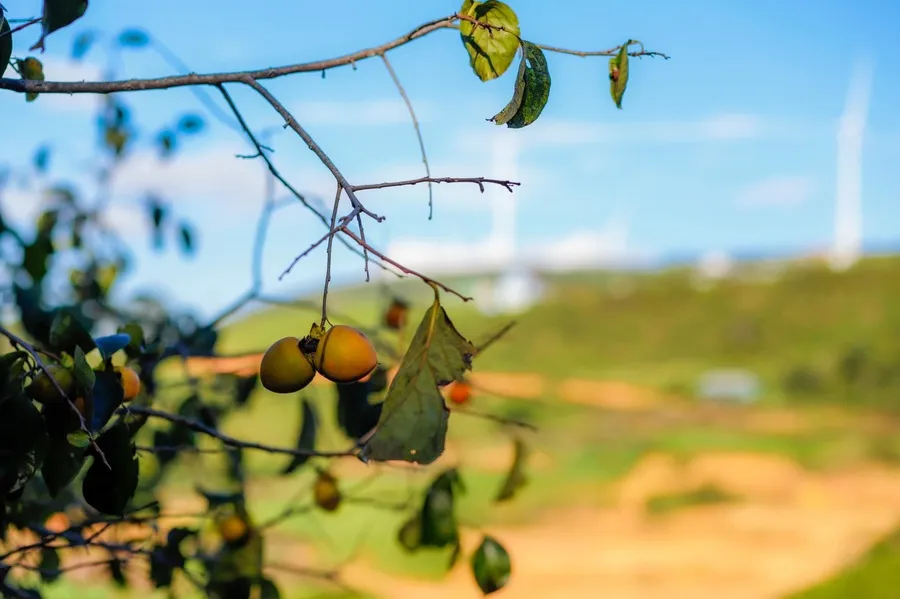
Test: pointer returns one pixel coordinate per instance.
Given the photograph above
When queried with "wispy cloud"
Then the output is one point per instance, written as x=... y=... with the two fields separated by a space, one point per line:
x=580 y=249
x=358 y=113
x=715 y=128
x=777 y=191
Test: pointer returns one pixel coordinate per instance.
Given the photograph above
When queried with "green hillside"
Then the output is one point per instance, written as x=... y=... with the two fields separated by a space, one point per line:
x=807 y=331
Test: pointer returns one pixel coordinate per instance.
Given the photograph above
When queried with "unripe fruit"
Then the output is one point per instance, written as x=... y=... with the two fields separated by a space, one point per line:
x=43 y=390
x=131 y=382
x=395 y=316
x=326 y=492
x=232 y=528
x=460 y=392
x=284 y=367
x=345 y=355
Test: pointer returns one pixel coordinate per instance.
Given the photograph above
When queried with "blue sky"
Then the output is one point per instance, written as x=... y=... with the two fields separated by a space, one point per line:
x=730 y=145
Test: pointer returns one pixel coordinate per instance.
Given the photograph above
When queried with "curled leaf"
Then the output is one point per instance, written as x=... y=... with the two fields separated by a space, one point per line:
x=531 y=92
x=618 y=74
x=515 y=478
x=493 y=41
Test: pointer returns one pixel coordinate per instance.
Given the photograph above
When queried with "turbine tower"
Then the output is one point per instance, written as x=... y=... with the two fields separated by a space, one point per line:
x=847 y=247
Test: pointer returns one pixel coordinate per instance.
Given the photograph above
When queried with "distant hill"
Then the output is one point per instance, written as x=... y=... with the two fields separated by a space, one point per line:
x=662 y=328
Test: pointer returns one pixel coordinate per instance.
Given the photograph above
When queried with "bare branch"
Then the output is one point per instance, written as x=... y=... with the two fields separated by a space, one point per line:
x=408 y=271
x=479 y=181
x=131 y=85
x=199 y=427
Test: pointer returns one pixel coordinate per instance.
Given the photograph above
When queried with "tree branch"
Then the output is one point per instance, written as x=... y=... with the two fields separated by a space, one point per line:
x=199 y=427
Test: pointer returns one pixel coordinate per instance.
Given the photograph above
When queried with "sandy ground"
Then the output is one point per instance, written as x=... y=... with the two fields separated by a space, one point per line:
x=791 y=530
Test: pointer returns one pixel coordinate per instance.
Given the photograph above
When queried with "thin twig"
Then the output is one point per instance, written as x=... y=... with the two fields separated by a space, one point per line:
x=199 y=427
x=479 y=181
x=337 y=202
x=408 y=271
x=415 y=122
x=22 y=26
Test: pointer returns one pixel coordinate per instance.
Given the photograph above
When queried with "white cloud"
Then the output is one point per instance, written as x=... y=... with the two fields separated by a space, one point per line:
x=359 y=112
x=213 y=177
x=62 y=69
x=560 y=132
x=777 y=191
x=577 y=250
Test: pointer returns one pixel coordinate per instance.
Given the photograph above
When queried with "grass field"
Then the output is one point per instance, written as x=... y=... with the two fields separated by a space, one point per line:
x=654 y=482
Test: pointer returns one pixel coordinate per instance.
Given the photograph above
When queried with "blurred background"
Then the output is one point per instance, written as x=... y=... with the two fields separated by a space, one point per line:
x=704 y=283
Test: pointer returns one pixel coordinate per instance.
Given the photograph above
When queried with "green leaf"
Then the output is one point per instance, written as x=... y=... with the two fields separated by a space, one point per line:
x=306 y=439
x=35 y=257
x=67 y=332
x=62 y=465
x=58 y=14
x=515 y=478
x=84 y=380
x=41 y=159
x=82 y=43
x=107 y=395
x=413 y=422
x=167 y=142
x=491 y=45
x=244 y=387
x=23 y=441
x=6 y=44
x=31 y=69
x=117 y=572
x=439 y=525
x=190 y=123
x=49 y=565
x=355 y=414
x=531 y=92
x=268 y=589
x=618 y=74
x=78 y=439
x=410 y=534
x=491 y=566
x=186 y=238
x=136 y=343
x=133 y=38
x=109 y=489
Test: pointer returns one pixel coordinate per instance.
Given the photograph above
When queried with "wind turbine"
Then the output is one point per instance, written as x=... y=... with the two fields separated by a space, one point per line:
x=847 y=247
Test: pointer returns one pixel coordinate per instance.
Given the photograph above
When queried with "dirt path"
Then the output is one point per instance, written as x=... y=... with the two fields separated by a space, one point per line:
x=792 y=529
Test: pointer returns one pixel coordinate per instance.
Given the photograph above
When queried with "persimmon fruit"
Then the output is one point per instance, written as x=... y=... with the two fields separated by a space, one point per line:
x=232 y=528
x=345 y=355
x=395 y=316
x=326 y=493
x=284 y=367
x=42 y=388
x=131 y=382
x=460 y=392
